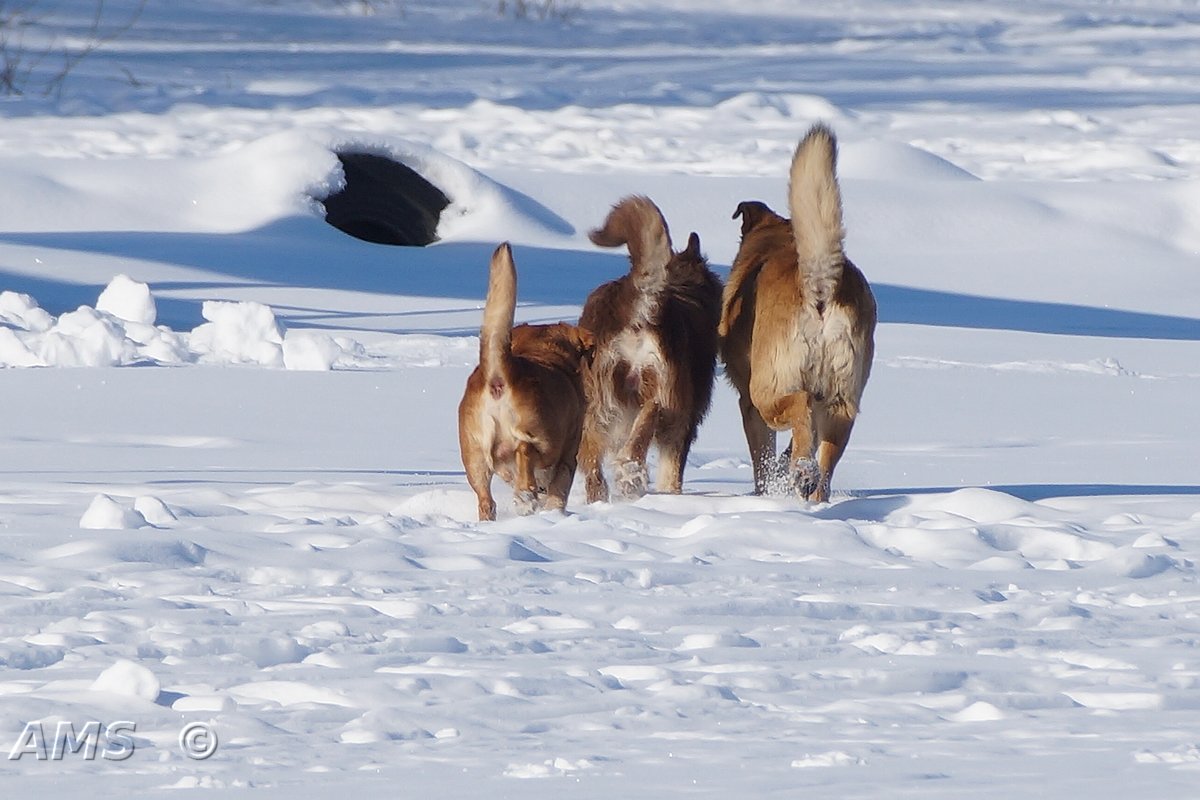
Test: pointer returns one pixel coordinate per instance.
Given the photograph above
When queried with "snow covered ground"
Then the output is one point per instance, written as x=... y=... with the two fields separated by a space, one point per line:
x=232 y=495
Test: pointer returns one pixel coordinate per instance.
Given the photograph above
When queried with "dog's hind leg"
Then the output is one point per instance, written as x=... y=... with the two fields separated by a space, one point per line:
x=479 y=475
x=630 y=472
x=560 y=485
x=525 y=489
x=761 y=441
x=591 y=456
x=671 y=458
x=796 y=412
x=674 y=441
x=833 y=433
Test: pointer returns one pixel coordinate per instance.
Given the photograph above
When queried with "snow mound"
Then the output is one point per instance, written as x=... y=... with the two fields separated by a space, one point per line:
x=753 y=105
x=105 y=513
x=253 y=184
x=127 y=679
x=120 y=331
x=879 y=160
x=22 y=311
x=834 y=758
x=209 y=702
x=128 y=300
x=547 y=769
x=154 y=511
x=14 y=353
x=312 y=352
x=979 y=505
x=238 y=333
x=979 y=711
x=243 y=187
x=1185 y=754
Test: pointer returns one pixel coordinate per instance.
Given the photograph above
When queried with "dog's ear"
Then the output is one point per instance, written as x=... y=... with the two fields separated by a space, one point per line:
x=692 y=251
x=587 y=343
x=752 y=213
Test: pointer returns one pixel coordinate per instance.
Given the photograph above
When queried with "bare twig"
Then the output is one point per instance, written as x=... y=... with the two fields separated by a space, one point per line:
x=96 y=38
x=133 y=79
x=19 y=61
x=14 y=60
x=542 y=9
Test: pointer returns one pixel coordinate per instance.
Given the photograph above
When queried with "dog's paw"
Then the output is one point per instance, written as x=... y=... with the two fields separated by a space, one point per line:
x=806 y=478
x=526 y=503
x=632 y=480
x=596 y=487
x=773 y=476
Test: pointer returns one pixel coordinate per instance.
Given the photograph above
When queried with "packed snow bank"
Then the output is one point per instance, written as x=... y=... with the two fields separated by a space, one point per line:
x=121 y=331
x=251 y=185
x=240 y=189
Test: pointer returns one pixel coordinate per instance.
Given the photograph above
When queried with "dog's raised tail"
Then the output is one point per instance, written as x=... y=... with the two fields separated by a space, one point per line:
x=639 y=225
x=815 y=204
x=495 y=335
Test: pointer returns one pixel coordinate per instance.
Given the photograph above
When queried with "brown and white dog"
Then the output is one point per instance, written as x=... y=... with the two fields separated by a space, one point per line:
x=650 y=379
x=522 y=412
x=797 y=326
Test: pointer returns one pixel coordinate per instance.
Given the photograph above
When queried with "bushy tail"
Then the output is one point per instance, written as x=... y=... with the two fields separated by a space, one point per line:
x=495 y=336
x=637 y=223
x=815 y=203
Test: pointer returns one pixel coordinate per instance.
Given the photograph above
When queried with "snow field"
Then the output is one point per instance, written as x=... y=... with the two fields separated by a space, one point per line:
x=355 y=614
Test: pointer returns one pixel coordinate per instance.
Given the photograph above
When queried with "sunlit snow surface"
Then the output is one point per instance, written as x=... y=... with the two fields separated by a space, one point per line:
x=231 y=491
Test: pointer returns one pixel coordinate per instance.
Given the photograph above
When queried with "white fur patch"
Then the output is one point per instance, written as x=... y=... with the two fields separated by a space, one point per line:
x=641 y=349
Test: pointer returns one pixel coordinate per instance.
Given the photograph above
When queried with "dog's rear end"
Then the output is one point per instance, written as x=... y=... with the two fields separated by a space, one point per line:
x=521 y=415
x=652 y=374
x=797 y=326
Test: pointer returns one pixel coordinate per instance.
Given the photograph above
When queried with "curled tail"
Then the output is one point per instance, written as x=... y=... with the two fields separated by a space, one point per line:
x=638 y=224
x=495 y=336
x=815 y=203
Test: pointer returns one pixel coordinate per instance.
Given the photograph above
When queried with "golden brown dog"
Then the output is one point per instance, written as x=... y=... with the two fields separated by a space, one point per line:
x=522 y=412
x=798 y=325
x=650 y=380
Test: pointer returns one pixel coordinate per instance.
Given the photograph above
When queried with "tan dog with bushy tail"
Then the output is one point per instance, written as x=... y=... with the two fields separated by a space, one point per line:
x=797 y=326
x=521 y=415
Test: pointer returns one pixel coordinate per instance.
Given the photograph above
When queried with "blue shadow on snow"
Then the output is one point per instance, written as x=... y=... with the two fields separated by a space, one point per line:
x=305 y=252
